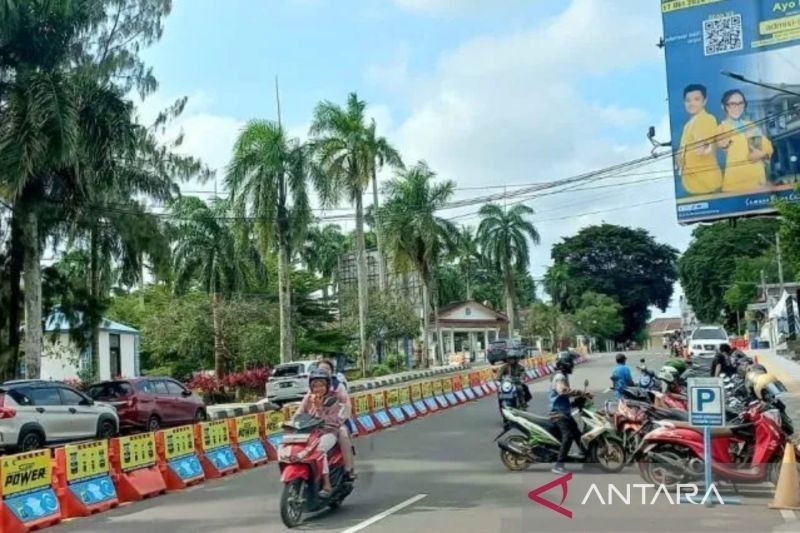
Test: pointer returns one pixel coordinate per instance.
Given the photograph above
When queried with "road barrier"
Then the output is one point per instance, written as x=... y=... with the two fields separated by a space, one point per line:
x=38 y=488
x=83 y=479
x=177 y=458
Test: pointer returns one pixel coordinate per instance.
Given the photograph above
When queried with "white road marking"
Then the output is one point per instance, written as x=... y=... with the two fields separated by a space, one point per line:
x=368 y=522
x=788 y=515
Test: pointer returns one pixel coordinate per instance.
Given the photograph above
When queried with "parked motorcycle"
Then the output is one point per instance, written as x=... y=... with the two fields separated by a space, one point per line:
x=538 y=438
x=749 y=451
x=510 y=394
x=648 y=379
x=300 y=463
x=633 y=419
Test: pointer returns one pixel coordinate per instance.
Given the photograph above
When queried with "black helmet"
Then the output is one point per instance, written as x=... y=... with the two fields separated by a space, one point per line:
x=319 y=374
x=725 y=348
x=565 y=361
x=621 y=358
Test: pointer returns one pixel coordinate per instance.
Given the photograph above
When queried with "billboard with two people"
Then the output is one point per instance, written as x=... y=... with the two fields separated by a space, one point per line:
x=736 y=145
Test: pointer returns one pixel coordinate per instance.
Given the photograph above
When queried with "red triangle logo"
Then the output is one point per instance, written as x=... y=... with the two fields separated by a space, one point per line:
x=561 y=481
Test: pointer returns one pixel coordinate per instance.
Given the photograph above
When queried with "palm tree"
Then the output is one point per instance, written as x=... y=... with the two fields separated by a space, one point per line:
x=267 y=179
x=414 y=234
x=468 y=257
x=208 y=253
x=321 y=252
x=341 y=141
x=503 y=236
x=382 y=153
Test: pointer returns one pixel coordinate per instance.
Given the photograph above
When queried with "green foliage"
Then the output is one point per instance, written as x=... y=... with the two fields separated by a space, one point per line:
x=396 y=362
x=599 y=316
x=389 y=318
x=380 y=370
x=627 y=264
x=709 y=265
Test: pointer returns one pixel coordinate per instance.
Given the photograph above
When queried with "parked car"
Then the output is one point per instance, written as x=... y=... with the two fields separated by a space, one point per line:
x=289 y=381
x=150 y=402
x=36 y=413
x=706 y=340
x=497 y=351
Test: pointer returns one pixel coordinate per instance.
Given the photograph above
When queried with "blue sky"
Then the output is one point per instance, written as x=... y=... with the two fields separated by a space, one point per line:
x=488 y=92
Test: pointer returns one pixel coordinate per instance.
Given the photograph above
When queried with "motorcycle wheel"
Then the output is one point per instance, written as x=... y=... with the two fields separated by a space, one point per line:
x=514 y=462
x=292 y=503
x=662 y=474
x=631 y=439
x=609 y=454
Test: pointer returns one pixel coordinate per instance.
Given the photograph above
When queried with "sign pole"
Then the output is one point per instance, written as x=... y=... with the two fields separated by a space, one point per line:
x=707 y=460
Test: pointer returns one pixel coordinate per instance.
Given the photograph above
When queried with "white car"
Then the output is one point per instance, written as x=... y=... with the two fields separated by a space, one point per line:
x=289 y=381
x=37 y=413
x=706 y=340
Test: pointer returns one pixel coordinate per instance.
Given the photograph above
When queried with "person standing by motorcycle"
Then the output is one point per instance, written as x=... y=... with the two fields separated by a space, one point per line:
x=512 y=368
x=339 y=388
x=319 y=390
x=561 y=410
x=723 y=362
x=621 y=375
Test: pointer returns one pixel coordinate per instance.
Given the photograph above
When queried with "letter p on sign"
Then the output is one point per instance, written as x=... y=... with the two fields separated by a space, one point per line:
x=704 y=396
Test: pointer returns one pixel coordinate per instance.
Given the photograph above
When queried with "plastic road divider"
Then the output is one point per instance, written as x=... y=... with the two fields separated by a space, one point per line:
x=466 y=388
x=83 y=479
x=363 y=418
x=177 y=458
x=438 y=393
x=290 y=409
x=428 y=398
x=29 y=501
x=134 y=467
x=393 y=406
x=379 y=413
x=273 y=433
x=405 y=402
x=417 y=401
x=475 y=384
x=486 y=377
x=447 y=387
x=214 y=446
x=246 y=434
x=457 y=389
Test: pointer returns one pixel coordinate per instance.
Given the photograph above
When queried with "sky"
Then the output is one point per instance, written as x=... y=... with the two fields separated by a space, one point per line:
x=490 y=94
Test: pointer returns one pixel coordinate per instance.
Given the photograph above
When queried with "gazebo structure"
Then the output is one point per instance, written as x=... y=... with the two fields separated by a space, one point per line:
x=467 y=328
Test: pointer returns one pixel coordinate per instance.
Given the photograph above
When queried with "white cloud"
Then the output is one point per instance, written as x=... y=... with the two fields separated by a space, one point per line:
x=446 y=6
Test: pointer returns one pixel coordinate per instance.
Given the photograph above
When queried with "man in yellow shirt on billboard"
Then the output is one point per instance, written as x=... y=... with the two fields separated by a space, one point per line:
x=696 y=158
x=746 y=148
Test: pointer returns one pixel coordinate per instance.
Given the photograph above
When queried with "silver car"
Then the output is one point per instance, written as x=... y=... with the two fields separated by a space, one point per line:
x=289 y=381
x=34 y=414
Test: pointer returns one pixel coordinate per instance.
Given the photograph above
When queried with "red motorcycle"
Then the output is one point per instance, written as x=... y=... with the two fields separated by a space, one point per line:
x=301 y=465
x=634 y=419
x=749 y=452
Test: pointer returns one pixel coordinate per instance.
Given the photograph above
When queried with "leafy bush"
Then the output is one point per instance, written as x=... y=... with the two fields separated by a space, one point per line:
x=249 y=384
x=380 y=370
x=396 y=361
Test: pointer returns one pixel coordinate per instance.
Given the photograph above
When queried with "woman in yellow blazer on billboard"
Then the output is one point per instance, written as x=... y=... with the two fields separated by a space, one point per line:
x=697 y=156
x=746 y=147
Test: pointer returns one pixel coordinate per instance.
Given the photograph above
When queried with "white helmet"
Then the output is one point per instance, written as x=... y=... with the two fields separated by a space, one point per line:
x=668 y=374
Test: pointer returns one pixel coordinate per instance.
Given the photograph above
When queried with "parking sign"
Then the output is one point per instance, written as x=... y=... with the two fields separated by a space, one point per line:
x=706 y=402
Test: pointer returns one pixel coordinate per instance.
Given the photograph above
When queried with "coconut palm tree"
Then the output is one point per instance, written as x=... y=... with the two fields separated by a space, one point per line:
x=382 y=153
x=341 y=141
x=268 y=178
x=321 y=252
x=503 y=236
x=468 y=257
x=414 y=234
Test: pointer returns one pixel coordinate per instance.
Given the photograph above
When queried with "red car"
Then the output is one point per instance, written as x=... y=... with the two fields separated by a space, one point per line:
x=150 y=403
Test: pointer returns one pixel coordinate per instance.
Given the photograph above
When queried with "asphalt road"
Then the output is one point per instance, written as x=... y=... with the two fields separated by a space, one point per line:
x=445 y=472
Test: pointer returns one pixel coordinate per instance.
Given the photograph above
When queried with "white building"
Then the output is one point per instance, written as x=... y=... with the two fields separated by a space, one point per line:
x=688 y=318
x=63 y=359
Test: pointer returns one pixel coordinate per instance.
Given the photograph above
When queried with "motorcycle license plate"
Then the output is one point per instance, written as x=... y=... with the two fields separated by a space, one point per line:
x=509 y=396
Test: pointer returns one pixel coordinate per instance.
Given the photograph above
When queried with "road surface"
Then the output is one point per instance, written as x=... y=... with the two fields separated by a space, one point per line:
x=442 y=473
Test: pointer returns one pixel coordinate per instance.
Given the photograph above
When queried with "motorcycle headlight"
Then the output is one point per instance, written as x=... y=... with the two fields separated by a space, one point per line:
x=506 y=386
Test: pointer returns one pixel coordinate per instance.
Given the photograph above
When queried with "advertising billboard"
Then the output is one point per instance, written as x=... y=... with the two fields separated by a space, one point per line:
x=736 y=145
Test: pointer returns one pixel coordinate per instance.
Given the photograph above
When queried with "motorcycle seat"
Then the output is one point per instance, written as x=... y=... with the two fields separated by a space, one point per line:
x=727 y=431
x=536 y=419
x=660 y=413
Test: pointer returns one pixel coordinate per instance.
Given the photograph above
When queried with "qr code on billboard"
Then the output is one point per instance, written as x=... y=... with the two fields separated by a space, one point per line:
x=722 y=34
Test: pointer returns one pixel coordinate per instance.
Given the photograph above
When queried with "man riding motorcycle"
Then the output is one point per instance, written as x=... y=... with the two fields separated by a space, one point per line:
x=319 y=389
x=561 y=409
x=511 y=367
x=339 y=388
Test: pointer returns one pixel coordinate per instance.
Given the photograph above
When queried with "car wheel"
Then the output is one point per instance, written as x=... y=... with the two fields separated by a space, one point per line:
x=153 y=423
x=200 y=415
x=31 y=440
x=107 y=430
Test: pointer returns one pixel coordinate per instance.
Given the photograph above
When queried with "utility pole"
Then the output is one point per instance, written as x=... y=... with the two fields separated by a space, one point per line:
x=764 y=288
x=780 y=260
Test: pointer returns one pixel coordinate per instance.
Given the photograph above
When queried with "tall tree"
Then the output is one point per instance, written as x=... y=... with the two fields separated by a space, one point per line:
x=504 y=235
x=267 y=178
x=381 y=153
x=624 y=263
x=414 y=234
x=341 y=140
x=321 y=252
x=468 y=258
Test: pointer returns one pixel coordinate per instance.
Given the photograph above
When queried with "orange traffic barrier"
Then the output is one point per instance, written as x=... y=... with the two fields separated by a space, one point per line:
x=247 y=435
x=417 y=400
x=28 y=499
x=134 y=467
x=177 y=458
x=83 y=479
x=405 y=402
x=393 y=406
x=379 y=414
x=213 y=445
x=363 y=418
x=787 y=491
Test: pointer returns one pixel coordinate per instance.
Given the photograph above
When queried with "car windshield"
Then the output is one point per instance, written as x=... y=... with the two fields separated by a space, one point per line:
x=287 y=371
x=109 y=391
x=709 y=334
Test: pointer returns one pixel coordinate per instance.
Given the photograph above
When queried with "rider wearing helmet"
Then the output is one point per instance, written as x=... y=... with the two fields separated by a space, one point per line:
x=319 y=390
x=561 y=409
x=511 y=367
x=339 y=388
